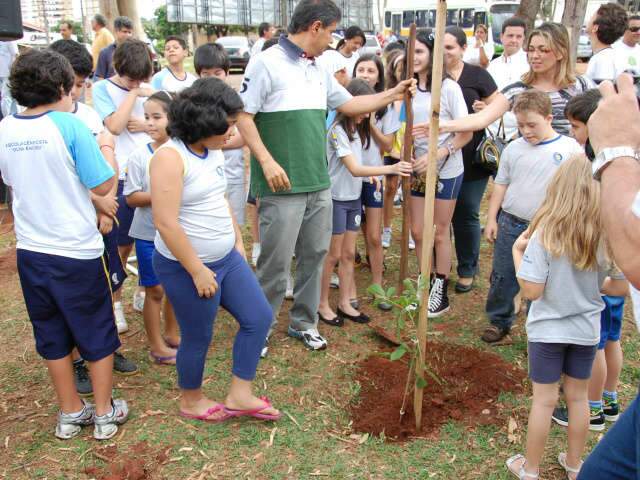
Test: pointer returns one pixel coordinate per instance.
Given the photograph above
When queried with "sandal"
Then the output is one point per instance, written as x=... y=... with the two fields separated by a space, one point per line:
x=522 y=474
x=255 y=413
x=160 y=360
x=205 y=416
x=562 y=460
x=170 y=343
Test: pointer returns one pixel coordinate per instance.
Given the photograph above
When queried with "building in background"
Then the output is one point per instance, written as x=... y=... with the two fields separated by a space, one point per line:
x=45 y=13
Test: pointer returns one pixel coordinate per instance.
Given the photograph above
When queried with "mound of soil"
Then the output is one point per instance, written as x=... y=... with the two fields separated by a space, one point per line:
x=471 y=382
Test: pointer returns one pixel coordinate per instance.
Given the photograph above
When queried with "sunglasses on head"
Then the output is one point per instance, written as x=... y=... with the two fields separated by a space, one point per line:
x=634 y=29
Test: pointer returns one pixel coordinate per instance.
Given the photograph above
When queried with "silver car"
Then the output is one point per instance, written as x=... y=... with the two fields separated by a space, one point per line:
x=372 y=45
x=584 y=47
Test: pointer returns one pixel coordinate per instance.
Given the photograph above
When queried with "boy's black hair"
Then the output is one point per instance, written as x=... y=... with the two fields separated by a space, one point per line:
x=612 y=21
x=389 y=47
x=514 y=22
x=307 y=12
x=270 y=43
x=78 y=56
x=458 y=34
x=201 y=110
x=120 y=23
x=133 y=59
x=38 y=77
x=357 y=87
x=100 y=19
x=263 y=28
x=211 y=55
x=178 y=39
x=582 y=106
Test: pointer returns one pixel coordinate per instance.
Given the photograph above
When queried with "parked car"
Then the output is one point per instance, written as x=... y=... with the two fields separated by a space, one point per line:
x=155 y=60
x=238 y=48
x=372 y=45
x=584 y=47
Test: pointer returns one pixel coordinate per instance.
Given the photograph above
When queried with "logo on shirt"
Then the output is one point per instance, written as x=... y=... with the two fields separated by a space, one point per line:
x=245 y=84
x=220 y=171
x=557 y=158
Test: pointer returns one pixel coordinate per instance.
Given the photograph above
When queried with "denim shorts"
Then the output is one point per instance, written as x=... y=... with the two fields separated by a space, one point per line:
x=371 y=198
x=347 y=215
x=548 y=361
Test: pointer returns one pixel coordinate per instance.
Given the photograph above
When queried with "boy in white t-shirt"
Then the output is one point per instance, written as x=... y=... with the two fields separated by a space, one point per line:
x=119 y=102
x=606 y=26
x=49 y=157
x=526 y=167
x=173 y=77
x=628 y=47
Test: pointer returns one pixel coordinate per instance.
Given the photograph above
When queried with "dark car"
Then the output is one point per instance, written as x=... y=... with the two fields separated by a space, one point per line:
x=238 y=49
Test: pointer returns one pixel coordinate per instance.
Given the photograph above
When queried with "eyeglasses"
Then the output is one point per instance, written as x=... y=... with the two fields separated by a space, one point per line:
x=634 y=29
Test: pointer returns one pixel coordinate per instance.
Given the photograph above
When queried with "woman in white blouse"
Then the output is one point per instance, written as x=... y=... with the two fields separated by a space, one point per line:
x=480 y=49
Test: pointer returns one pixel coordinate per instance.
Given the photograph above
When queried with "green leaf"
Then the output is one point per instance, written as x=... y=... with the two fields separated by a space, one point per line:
x=376 y=290
x=420 y=382
x=391 y=292
x=398 y=353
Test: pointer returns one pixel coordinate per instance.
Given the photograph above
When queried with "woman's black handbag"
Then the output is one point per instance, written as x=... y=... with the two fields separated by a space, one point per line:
x=488 y=152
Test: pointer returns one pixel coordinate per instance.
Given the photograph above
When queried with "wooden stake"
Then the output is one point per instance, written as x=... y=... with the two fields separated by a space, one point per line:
x=428 y=232
x=406 y=154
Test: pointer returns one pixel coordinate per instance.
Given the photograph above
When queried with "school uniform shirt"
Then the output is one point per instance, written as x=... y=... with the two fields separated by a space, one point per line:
x=505 y=71
x=204 y=212
x=603 y=66
x=472 y=53
x=569 y=309
x=234 y=166
x=257 y=47
x=107 y=97
x=289 y=94
x=334 y=61
x=527 y=169
x=627 y=58
x=559 y=100
x=89 y=117
x=452 y=106
x=388 y=124
x=166 y=80
x=476 y=83
x=142 y=226
x=51 y=161
x=344 y=186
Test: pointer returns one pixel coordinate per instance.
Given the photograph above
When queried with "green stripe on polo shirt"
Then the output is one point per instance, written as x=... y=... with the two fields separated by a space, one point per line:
x=296 y=140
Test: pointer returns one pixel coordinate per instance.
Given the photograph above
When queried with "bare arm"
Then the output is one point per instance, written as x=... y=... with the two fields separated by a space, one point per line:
x=495 y=202
x=236 y=141
x=484 y=60
x=373 y=103
x=106 y=202
x=166 y=171
x=139 y=199
x=384 y=142
x=459 y=140
x=479 y=120
x=357 y=170
x=530 y=290
x=615 y=288
x=119 y=120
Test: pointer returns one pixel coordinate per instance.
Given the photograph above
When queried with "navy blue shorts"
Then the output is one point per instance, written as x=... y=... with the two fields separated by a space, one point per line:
x=125 y=217
x=144 y=253
x=548 y=361
x=611 y=320
x=370 y=197
x=117 y=273
x=390 y=161
x=446 y=188
x=347 y=215
x=69 y=305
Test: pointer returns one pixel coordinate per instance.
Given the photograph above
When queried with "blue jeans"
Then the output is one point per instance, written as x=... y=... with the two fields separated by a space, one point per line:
x=617 y=455
x=466 y=226
x=238 y=292
x=504 y=285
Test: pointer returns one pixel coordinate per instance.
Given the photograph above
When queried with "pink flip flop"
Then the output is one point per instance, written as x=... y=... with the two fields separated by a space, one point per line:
x=255 y=413
x=205 y=416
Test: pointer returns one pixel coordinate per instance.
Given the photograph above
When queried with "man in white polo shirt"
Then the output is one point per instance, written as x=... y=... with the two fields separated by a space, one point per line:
x=286 y=95
x=627 y=49
x=509 y=67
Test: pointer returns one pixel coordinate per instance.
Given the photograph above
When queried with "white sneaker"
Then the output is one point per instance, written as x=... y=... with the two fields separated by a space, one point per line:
x=386 y=238
x=412 y=244
x=138 y=300
x=106 y=426
x=335 y=281
x=121 y=322
x=289 y=292
x=255 y=253
x=265 y=348
x=70 y=424
x=311 y=338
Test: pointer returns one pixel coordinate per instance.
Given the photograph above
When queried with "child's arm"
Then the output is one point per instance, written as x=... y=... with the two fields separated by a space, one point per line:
x=530 y=290
x=107 y=204
x=384 y=142
x=403 y=169
x=139 y=199
x=121 y=118
x=615 y=287
x=458 y=141
x=495 y=202
x=236 y=141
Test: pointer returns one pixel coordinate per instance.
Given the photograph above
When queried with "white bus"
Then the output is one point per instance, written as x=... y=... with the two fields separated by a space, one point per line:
x=466 y=14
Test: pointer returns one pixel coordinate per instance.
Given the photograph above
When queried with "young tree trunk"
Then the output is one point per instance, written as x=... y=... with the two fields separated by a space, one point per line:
x=528 y=10
x=109 y=8
x=130 y=9
x=573 y=19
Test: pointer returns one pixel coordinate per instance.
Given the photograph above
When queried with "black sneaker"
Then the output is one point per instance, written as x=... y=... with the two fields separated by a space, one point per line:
x=611 y=411
x=122 y=365
x=438 y=298
x=83 y=382
x=561 y=417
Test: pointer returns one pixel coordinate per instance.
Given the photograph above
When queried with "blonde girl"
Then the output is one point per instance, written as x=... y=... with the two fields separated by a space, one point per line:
x=561 y=268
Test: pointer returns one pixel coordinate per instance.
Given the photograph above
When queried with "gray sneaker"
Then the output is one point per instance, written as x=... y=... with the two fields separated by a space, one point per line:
x=106 y=426
x=70 y=424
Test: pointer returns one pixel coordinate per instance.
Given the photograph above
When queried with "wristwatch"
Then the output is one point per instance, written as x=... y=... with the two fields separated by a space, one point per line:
x=608 y=155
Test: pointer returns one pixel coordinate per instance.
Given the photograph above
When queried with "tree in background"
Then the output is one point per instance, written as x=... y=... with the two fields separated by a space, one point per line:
x=114 y=8
x=160 y=28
